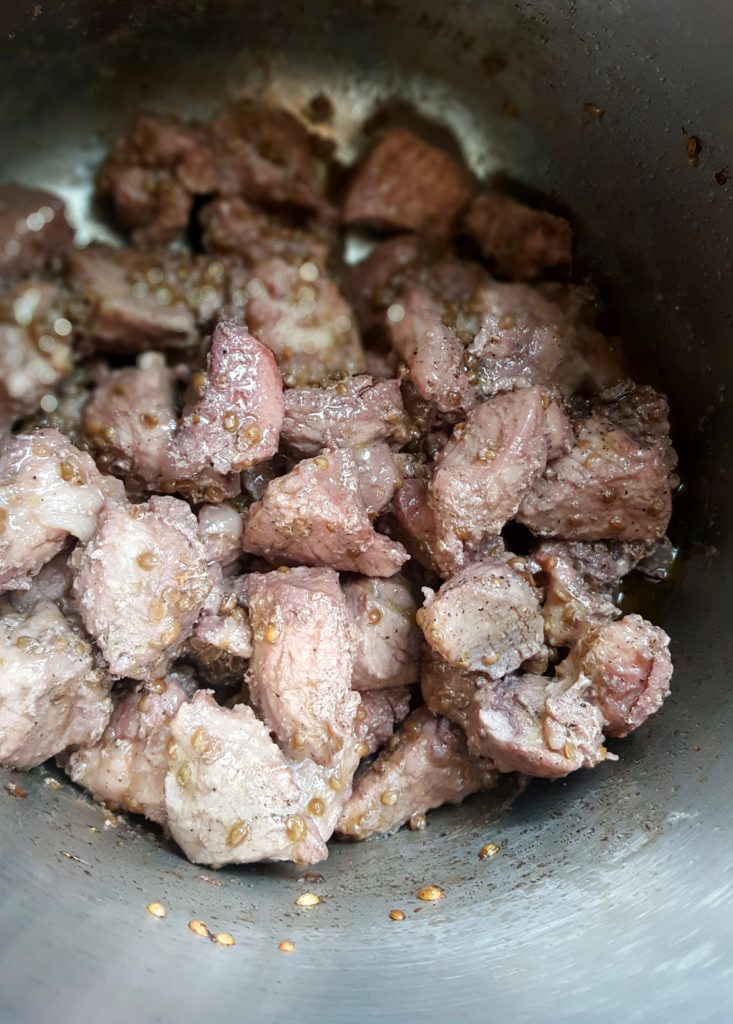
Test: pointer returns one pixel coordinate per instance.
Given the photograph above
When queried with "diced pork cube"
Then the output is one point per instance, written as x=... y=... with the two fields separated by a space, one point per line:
x=126 y=768
x=130 y=419
x=54 y=582
x=233 y=227
x=389 y=644
x=607 y=487
x=315 y=515
x=353 y=411
x=221 y=529
x=49 y=491
x=524 y=723
x=51 y=696
x=415 y=522
x=235 y=421
x=141 y=583
x=425 y=766
x=485 y=471
x=486 y=618
x=404 y=183
x=152 y=174
x=379 y=475
x=230 y=794
x=299 y=313
x=643 y=413
x=520 y=243
x=33 y=229
x=379 y=714
x=629 y=668
x=302 y=660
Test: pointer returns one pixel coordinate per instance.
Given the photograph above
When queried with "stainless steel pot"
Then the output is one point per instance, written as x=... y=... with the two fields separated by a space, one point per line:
x=611 y=893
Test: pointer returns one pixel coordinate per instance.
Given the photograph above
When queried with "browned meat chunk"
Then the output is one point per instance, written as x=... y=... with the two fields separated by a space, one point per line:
x=52 y=583
x=221 y=528
x=520 y=243
x=353 y=411
x=126 y=768
x=389 y=644
x=130 y=419
x=629 y=669
x=643 y=413
x=404 y=183
x=51 y=697
x=33 y=229
x=35 y=348
x=267 y=155
x=131 y=301
x=298 y=312
x=524 y=723
x=153 y=173
x=513 y=335
x=233 y=227
x=415 y=522
x=574 y=597
x=234 y=422
x=49 y=490
x=425 y=766
x=486 y=618
x=485 y=471
x=302 y=661
x=230 y=794
x=607 y=487
x=379 y=714
x=315 y=515
x=374 y=283
x=140 y=585
x=431 y=349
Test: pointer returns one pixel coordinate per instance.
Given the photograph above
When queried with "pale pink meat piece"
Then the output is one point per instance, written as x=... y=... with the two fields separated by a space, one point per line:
x=302 y=317
x=49 y=491
x=405 y=183
x=486 y=618
x=629 y=668
x=643 y=413
x=130 y=419
x=379 y=473
x=353 y=411
x=520 y=243
x=36 y=347
x=141 y=583
x=224 y=624
x=153 y=173
x=126 y=768
x=415 y=522
x=315 y=515
x=513 y=336
x=51 y=696
x=432 y=351
x=379 y=714
x=426 y=765
x=33 y=229
x=302 y=661
x=234 y=421
x=230 y=793
x=485 y=471
x=525 y=723
x=53 y=582
x=607 y=487
x=388 y=643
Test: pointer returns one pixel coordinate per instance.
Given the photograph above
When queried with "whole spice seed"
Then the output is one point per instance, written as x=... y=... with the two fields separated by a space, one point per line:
x=308 y=899
x=286 y=946
x=156 y=909
x=199 y=928
x=488 y=850
x=430 y=893
x=397 y=915
x=224 y=939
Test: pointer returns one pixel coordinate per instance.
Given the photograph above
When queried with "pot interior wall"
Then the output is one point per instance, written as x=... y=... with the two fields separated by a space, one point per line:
x=616 y=877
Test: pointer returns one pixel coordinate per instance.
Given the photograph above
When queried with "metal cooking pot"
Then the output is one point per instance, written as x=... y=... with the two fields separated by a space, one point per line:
x=610 y=894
